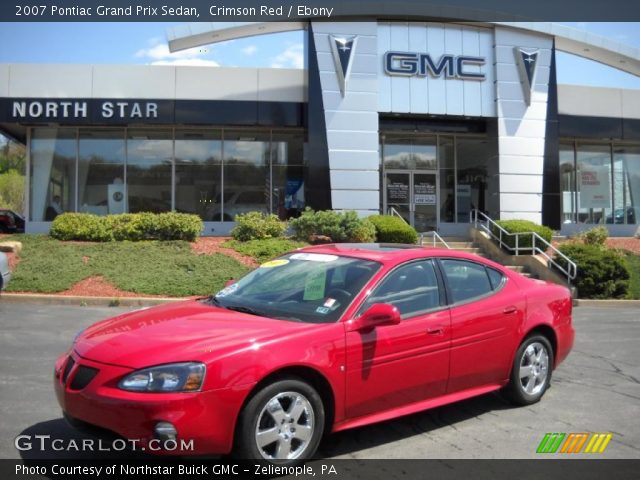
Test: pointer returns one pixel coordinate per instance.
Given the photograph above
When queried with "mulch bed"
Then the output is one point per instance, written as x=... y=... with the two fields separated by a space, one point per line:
x=627 y=243
x=211 y=245
x=99 y=287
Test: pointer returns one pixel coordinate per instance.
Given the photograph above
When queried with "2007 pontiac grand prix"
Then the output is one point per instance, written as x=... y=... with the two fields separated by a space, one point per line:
x=322 y=339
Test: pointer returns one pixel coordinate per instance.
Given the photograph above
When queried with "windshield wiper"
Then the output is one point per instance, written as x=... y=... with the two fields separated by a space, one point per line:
x=214 y=300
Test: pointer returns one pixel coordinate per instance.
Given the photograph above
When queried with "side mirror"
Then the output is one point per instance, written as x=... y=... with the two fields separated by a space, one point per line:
x=229 y=282
x=376 y=315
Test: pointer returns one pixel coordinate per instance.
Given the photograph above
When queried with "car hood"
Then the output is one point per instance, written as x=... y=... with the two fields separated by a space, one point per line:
x=184 y=331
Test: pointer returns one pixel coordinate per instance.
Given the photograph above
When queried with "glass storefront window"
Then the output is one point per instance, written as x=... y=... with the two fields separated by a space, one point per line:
x=626 y=170
x=215 y=174
x=149 y=159
x=287 y=156
x=446 y=155
x=198 y=179
x=53 y=172
x=568 y=183
x=593 y=175
x=101 y=171
x=247 y=180
x=410 y=153
x=472 y=162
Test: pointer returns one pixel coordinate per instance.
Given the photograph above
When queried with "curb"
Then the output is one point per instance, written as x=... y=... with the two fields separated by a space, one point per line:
x=579 y=302
x=87 y=301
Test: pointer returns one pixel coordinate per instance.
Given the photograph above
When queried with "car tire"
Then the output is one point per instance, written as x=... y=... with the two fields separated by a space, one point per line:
x=282 y=423
x=531 y=371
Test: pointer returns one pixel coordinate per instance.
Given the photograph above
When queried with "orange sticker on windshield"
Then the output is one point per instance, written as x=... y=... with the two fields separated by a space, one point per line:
x=275 y=263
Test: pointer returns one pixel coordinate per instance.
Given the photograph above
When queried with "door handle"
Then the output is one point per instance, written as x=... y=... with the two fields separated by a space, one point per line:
x=510 y=309
x=435 y=331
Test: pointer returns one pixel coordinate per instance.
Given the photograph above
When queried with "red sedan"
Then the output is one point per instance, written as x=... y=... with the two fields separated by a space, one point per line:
x=320 y=340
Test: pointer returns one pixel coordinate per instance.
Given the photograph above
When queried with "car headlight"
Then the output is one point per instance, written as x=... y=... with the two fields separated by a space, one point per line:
x=173 y=377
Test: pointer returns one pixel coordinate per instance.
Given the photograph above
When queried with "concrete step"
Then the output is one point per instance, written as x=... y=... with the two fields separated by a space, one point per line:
x=456 y=239
x=515 y=268
x=468 y=249
x=457 y=245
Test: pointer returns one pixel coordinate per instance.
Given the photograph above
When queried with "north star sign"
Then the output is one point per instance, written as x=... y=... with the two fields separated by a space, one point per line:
x=411 y=64
x=65 y=109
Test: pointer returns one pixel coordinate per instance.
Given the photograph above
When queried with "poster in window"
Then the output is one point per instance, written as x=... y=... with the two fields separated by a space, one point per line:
x=397 y=188
x=424 y=192
x=595 y=186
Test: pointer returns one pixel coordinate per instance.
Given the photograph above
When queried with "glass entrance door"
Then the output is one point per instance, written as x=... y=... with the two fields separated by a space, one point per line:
x=413 y=195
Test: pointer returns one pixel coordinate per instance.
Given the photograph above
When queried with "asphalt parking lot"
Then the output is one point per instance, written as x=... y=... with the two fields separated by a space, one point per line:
x=596 y=390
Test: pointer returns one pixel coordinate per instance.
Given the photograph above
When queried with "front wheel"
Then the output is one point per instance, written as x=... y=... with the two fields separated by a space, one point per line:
x=283 y=423
x=531 y=371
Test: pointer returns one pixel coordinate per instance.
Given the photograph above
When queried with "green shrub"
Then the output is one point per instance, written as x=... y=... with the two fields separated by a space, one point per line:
x=257 y=226
x=602 y=273
x=595 y=236
x=173 y=226
x=522 y=226
x=81 y=226
x=328 y=225
x=126 y=226
x=393 y=229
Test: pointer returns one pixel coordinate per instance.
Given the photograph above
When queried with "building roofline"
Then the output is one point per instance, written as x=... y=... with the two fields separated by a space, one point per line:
x=567 y=39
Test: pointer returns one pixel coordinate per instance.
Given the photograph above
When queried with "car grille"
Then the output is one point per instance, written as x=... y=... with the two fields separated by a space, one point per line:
x=67 y=369
x=83 y=377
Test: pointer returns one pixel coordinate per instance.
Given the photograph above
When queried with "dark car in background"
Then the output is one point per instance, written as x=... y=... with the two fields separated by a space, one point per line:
x=11 y=222
x=619 y=214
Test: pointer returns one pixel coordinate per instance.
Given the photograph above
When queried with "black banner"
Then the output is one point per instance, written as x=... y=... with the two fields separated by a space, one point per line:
x=304 y=10
x=322 y=469
x=94 y=111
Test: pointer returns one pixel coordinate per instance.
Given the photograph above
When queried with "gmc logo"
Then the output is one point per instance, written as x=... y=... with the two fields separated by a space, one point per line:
x=411 y=64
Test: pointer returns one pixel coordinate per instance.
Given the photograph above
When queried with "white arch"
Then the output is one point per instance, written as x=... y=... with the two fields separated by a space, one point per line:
x=571 y=40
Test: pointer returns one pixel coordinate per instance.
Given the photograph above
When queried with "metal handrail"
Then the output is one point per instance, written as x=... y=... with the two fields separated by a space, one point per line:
x=433 y=233
x=486 y=223
x=392 y=211
x=436 y=238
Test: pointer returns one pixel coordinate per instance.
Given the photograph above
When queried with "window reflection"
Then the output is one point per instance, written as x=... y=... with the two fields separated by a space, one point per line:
x=101 y=172
x=215 y=174
x=246 y=173
x=149 y=157
x=472 y=161
x=198 y=177
x=53 y=173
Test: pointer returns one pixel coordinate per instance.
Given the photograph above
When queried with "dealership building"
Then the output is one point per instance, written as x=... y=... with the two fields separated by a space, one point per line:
x=427 y=120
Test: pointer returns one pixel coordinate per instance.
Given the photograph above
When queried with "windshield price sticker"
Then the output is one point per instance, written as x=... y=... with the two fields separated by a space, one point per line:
x=314 y=285
x=275 y=263
x=314 y=257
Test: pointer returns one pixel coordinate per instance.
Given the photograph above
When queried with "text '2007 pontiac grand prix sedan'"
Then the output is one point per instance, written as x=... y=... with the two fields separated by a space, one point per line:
x=320 y=340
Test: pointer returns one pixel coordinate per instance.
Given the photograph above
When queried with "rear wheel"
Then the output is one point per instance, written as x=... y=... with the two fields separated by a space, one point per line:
x=283 y=423
x=531 y=371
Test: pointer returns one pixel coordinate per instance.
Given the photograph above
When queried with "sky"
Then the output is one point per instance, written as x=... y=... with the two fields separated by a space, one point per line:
x=145 y=43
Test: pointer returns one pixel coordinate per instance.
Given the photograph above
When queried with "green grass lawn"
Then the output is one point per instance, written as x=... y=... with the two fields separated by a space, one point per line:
x=150 y=267
x=633 y=262
x=263 y=250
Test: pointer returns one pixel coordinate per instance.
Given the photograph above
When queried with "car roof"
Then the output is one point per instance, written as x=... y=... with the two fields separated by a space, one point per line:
x=389 y=252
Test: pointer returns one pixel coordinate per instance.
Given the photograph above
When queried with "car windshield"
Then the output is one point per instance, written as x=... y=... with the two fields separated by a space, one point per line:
x=304 y=287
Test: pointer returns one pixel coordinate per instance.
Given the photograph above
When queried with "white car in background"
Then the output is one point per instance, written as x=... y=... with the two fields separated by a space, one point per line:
x=5 y=273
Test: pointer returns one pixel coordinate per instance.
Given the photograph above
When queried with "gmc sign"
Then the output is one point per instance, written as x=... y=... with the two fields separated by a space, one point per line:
x=411 y=64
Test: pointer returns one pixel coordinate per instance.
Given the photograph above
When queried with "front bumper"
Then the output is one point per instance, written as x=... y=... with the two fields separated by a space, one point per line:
x=207 y=418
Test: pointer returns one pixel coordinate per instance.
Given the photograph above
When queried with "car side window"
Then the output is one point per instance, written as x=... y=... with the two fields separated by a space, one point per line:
x=467 y=280
x=495 y=277
x=412 y=288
